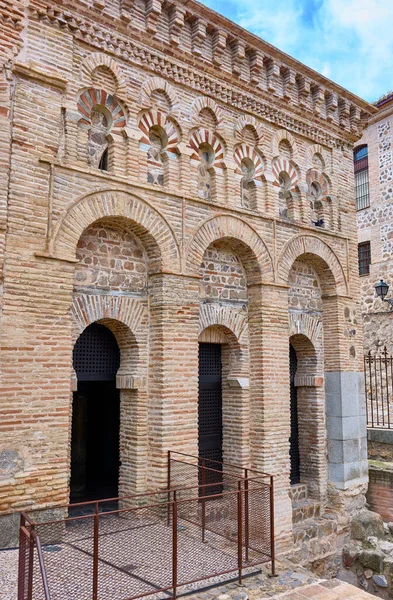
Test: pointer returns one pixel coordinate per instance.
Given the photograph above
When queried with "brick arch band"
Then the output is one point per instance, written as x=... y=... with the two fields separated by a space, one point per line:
x=311 y=245
x=307 y=325
x=213 y=314
x=256 y=257
x=145 y=222
x=234 y=326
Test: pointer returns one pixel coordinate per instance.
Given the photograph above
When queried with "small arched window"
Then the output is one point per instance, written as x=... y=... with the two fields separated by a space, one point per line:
x=103 y=165
x=360 y=157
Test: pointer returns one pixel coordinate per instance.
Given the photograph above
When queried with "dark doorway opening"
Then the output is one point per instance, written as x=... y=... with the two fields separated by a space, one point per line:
x=210 y=416
x=95 y=416
x=294 y=452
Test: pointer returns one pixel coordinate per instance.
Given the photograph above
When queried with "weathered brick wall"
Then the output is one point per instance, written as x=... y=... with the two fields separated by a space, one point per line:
x=232 y=110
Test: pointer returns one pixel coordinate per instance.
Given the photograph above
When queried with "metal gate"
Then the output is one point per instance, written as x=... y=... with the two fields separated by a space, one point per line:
x=294 y=439
x=210 y=412
x=96 y=355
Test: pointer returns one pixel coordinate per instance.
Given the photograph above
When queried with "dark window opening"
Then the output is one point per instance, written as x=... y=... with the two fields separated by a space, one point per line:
x=103 y=166
x=362 y=193
x=364 y=257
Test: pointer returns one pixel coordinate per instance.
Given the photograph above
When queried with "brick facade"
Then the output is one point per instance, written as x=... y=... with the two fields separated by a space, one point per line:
x=375 y=225
x=225 y=214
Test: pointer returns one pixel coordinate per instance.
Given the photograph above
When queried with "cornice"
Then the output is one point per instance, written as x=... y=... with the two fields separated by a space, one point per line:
x=187 y=72
x=33 y=71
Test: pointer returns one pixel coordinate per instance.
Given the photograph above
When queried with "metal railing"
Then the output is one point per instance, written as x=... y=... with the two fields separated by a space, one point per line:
x=378 y=371
x=159 y=542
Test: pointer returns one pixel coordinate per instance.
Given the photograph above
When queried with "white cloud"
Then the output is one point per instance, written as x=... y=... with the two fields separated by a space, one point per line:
x=349 y=41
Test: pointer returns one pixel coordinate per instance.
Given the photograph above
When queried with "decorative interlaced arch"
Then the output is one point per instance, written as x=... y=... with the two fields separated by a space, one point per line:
x=244 y=151
x=282 y=165
x=249 y=121
x=203 y=136
x=203 y=102
x=161 y=85
x=280 y=136
x=98 y=59
x=95 y=97
x=155 y=118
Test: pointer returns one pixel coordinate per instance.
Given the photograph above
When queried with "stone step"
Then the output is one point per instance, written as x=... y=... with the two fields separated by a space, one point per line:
x=316 y=542
x=305 y=509
x=298 y=491
x=313 y=528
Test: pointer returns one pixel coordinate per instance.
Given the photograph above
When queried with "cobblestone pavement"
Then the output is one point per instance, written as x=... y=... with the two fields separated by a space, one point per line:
x=292 y=583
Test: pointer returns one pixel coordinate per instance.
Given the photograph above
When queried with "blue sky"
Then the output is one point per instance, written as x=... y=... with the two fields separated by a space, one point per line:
x=349 y=41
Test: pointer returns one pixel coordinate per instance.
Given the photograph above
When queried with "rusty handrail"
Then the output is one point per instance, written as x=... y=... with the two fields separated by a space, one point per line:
x=42 y=565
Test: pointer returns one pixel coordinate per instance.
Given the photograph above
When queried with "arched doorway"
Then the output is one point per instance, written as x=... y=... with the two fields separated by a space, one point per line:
x=95 y=416
x=294 y=451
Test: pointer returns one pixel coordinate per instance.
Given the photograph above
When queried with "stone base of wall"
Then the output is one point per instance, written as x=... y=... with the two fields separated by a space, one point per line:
x=380 y=444
x=9 y=524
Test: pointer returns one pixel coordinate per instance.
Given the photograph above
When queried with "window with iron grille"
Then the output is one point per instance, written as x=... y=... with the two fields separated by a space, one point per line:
x=364 y=257
x=362 y=193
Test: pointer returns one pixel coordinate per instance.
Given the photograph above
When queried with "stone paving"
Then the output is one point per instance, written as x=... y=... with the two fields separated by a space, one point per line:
x=292 y=583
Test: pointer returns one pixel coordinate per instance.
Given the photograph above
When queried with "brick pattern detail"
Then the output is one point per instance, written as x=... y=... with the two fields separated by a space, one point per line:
x=211 y=315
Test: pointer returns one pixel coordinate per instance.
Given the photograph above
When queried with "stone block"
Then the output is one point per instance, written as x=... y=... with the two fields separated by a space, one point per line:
x=365 y=524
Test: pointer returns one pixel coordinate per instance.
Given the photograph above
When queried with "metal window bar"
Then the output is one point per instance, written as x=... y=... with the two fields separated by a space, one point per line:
x=378 y=371
x=154 y=542
x=364 y=258
x=362 y=191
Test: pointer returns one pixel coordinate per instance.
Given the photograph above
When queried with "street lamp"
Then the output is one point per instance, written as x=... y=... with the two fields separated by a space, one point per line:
x=381 y=290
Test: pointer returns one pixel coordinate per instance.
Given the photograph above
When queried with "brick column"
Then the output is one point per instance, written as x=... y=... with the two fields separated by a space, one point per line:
x=173 y=372
x=270 y=396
